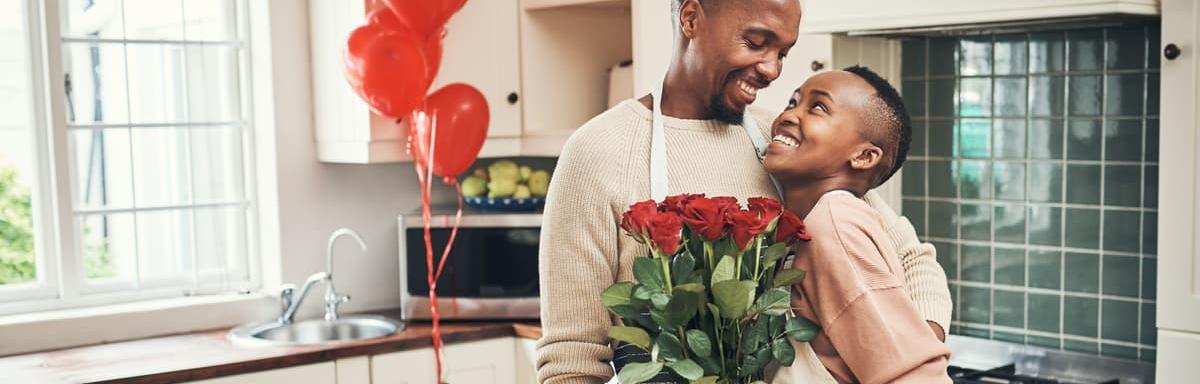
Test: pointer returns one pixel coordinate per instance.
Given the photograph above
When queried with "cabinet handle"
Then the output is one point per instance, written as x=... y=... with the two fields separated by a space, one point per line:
x=1172 y=51
x=513 y=98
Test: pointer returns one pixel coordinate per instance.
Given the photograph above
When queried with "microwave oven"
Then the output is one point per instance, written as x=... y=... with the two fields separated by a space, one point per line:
x=491 y=273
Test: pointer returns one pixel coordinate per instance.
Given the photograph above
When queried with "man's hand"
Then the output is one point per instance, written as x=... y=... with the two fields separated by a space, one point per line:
x=937 y=330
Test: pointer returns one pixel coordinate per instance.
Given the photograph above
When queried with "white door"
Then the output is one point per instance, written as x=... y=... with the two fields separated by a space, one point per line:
x=482 y=48
x=1179 y=257
x=322 y=373
x=478 y=362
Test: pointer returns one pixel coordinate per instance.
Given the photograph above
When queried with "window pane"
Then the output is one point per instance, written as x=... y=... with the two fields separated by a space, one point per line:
x=109 y=247
x=153 y=19
x=217 y=165
x=94 y=18
x=209 y=20
x=221 y=239
x=102 y=168
x=156 y=83
x=161 y=174
x=18 y=259
x=164 y=245
x=212 y=84
x=97 y=91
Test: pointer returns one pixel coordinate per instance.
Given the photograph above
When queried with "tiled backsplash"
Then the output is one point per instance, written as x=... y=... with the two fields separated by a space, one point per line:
x=1034 y=172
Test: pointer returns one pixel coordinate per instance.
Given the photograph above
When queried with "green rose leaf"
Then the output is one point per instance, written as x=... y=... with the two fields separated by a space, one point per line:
x=733 y=297
x=788 y=277
x=631 y=335
x=660 y=299
x=693 y=288
x=632 y=315
x=724 y=270
x=634 y=373
x=776 y=324
x=711 y=364
x=706 y=380
x=755 y=336
x=783 y=351
x=669 y=347
x=617 y=294
x=699 y=342
x=753 y=363
x=682 y=267
x=802 y=329
x=774 y=253
x=681 y=308
x=775 y=301
x=713 y=308
x=642 y=292
x=687 y=369
x=648 y=272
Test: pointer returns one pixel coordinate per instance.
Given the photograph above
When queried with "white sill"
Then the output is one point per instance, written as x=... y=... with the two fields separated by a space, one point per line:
x=41 y=331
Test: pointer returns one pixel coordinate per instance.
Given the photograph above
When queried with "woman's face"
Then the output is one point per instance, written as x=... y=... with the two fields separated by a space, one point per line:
x=818 y=133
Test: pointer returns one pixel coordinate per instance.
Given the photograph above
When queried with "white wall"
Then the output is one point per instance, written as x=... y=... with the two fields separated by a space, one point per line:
x=314 y=198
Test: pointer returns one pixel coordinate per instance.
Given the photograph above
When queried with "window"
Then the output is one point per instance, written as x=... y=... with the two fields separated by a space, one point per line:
x=124 y=172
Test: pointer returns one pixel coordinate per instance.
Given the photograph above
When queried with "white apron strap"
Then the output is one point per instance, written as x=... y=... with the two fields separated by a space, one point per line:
x=658 y=147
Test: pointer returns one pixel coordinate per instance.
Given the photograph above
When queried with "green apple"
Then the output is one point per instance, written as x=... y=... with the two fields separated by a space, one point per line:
x=474 y=186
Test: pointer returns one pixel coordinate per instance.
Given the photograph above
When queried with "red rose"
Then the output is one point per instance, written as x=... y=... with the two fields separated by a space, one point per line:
x=767 y=209
x=727 y=203
x=744 y=226
x=636 y=221
x=705 y=217
x=664 y=232
x=790 y=229
x=677 y=202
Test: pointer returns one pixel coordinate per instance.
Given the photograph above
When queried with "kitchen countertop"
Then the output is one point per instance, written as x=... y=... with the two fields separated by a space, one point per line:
x=208 y=354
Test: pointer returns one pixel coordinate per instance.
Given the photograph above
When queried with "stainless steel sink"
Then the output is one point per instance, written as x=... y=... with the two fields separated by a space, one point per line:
x=314 y=332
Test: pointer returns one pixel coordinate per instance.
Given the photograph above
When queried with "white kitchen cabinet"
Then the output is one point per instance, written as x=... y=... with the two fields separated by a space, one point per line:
x=479 y=362
x=353 y=370
x=1178 y=306
x=321 y=373
x=825 y=16
x=481 y=48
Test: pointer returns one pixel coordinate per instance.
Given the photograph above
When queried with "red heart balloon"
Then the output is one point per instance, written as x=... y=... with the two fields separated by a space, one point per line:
x=385 y=18
x=424 y=17
x=386 y=68
x=461 y=114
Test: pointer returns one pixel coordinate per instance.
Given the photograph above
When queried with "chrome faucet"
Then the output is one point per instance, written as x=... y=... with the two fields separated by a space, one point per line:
x=332 y=298
x=291 y=302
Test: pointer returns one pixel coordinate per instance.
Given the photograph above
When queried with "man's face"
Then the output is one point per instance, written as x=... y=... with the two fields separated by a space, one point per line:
x=819 y=133
x=740 y=48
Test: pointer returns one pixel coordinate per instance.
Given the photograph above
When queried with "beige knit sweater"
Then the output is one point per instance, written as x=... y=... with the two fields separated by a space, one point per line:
x=604 y=168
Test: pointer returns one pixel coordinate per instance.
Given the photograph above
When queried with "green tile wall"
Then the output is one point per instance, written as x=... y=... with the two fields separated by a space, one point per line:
x=1034 y=173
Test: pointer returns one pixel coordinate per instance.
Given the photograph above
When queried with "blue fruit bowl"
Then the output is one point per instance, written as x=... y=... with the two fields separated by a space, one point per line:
x=505 y=204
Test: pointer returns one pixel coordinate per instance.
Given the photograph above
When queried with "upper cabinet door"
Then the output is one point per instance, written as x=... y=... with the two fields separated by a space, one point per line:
x=482 y=48
x=1179 y=256
x=862 y=15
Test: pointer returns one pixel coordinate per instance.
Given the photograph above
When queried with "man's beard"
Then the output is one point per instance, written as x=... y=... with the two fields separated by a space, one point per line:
x=722 y=112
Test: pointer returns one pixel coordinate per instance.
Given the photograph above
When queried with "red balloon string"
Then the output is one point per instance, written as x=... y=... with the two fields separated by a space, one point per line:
x=425 y=178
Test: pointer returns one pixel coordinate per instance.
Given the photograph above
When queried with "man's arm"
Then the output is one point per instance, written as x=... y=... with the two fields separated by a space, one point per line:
x=924 y=278
x=577 y=259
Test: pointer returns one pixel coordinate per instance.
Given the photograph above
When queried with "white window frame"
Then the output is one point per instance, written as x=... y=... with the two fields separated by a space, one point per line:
x=60 y=280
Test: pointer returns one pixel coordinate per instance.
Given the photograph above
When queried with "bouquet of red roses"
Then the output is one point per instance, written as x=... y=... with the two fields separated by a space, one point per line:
x=711 y=302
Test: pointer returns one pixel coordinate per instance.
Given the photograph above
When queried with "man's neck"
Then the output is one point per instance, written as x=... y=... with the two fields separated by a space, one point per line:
x=679 y=97
x=800 y=196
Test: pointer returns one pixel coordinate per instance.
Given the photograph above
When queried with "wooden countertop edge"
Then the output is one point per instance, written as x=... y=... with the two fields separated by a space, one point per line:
x=415 y=336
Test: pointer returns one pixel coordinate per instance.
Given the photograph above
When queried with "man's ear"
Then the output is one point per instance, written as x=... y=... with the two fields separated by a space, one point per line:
x=866 y=157
x=691 y=13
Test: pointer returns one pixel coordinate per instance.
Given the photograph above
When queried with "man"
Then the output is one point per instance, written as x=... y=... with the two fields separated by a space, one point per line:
x=692 y=139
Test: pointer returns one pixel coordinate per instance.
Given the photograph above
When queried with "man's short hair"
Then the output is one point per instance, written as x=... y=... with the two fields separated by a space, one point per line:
x=888 y=123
